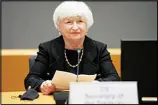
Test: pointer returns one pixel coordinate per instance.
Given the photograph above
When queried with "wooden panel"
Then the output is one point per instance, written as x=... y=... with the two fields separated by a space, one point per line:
x=14 y=70
x=116 y=59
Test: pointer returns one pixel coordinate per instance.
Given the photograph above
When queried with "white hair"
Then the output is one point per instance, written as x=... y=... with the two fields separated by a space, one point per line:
x=73 y=8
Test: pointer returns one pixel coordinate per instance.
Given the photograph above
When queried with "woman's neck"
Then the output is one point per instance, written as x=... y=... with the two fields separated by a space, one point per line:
x=74 y=44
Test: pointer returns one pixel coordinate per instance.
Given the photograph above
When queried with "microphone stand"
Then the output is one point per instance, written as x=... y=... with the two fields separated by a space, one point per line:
x=78 y=51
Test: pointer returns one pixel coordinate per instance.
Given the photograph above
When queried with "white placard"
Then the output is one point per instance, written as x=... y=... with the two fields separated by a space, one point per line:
x=120 y=92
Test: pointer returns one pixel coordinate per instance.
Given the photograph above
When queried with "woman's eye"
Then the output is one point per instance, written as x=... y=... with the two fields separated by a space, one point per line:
x=80 y=21
x=68 y=22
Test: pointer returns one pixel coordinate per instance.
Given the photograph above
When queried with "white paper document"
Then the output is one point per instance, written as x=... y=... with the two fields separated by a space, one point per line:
x=63 y=79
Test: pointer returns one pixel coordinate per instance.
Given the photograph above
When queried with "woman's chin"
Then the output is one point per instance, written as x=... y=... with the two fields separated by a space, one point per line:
x=76 y=37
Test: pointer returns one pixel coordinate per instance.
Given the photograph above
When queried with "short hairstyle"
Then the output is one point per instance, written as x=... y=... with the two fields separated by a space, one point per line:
x=73 y=8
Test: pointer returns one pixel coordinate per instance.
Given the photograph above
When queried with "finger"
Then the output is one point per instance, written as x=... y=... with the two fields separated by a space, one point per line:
x=44 y=91
x=48 y=90
x=49 y=82
x=52 y=87
x=45 y=84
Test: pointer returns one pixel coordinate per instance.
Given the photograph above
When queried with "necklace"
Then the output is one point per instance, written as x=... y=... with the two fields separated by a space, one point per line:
x=69 y=62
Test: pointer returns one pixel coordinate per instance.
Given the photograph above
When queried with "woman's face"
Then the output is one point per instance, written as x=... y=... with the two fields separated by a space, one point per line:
x=73 y=28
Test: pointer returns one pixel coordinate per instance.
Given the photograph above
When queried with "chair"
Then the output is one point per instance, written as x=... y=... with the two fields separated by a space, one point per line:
x=32 y=61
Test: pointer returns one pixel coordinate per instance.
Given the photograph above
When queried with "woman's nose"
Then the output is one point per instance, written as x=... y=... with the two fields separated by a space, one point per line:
x=75 y=26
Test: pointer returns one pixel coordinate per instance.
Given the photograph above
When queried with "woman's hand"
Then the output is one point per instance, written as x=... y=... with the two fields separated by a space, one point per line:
x=47 y=87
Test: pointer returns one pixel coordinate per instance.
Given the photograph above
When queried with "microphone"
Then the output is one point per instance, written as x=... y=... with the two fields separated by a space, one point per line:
x=78 y=51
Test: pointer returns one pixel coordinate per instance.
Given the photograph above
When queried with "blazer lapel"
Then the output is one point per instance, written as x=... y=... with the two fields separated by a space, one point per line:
x=90 y=66
x=90 y=50
x=58 y=51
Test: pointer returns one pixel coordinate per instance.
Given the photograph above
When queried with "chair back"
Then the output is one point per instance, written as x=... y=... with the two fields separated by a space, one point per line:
x=31 y=61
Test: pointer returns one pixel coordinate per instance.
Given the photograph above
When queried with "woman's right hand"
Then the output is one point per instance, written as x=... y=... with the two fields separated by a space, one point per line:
x=47 y=87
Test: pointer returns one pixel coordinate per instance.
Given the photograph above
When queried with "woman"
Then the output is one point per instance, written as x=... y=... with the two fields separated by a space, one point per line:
x=72 y=19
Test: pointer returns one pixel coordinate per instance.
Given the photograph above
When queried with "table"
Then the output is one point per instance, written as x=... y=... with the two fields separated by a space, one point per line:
x=12 y=98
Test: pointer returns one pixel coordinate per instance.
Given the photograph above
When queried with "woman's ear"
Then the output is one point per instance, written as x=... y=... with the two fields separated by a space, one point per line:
x=58 y=28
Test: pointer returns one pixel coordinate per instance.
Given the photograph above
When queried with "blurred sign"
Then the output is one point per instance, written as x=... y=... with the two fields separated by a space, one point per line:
x=103 y=93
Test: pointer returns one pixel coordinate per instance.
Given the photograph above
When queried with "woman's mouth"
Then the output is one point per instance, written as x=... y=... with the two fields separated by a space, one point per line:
x=75 y=33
